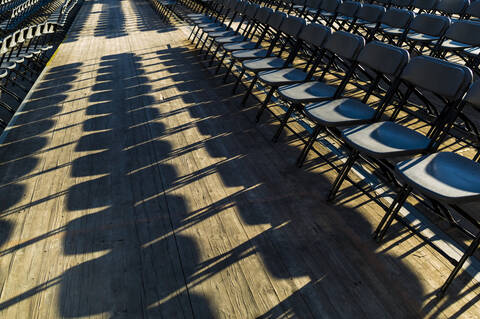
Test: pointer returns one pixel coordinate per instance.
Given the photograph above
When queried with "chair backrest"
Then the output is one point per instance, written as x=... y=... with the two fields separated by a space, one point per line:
x=276 y=19
x=241 y=7
x=371 y=12
x=473 y=9
x=443 y=78
x=330 y=5
x=384 y=58
x=450 y=7
x=398 y=18
x=292 y=26
x=345 y=45
x=402 y=3
x=473 y=95
x=427 y=5
x=313 y=4
x=464 y=31
x=263 y=15
x=315 y=34
x=298 y=2
x=349 y=8
x=430 y=24
x=251 y=10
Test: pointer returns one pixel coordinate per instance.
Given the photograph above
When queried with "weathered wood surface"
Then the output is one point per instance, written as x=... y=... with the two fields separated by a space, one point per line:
x=133 y=185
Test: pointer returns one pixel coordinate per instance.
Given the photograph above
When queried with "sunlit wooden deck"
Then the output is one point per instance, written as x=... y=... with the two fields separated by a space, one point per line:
x=133 y=185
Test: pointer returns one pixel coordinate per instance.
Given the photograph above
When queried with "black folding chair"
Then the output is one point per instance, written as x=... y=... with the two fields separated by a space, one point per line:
x=445 y=178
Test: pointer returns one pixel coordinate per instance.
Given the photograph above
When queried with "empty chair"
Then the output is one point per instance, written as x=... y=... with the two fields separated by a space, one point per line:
x=311 y=8
x=425 y=31
x=313 y=37
x=424 y=6
x=260 y=20
x=345 y=15
x=473 y=11
x=401 y=3
x=461 y=39
x=342 y=48
x=452 y=7
x=384 y=61
x=445 y=178
x=385 y=140
x=327 y=11
x=275 y=21
x=246 y=22
x=368 y=15
x=393 y=27
x=289 y=29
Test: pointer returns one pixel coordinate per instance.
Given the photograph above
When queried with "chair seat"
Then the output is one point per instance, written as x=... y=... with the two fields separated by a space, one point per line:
x=370 y=25
x=421 y=37
x=214 y=29
x=282 y=77
x=17 y=59
x=8 y=65
x=219 y=34
x=385 y=139
x=250 y=54
x=338 y=112
x=46 y=47
x=245 y=45
x=327 y=13
x=202 y=20
x=196 y=15
x=167 y=2
x=363 y=22
x=307 y=92
x=444 y=176
x=264 y=64
x=391 y=30
x=298 y=7
x=344 y=18
x=211 y=25
x=472 y=51
x=230 y=39
x=454 y=45
x=3 y=73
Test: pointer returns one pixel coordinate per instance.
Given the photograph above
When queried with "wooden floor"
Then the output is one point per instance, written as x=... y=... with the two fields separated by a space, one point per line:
x=133 y=185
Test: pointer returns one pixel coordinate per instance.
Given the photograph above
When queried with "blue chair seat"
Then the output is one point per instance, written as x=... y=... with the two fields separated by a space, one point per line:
x=421 y=37
x=391 y=30
x=282 y=77
x=219 y=34
x=385 y=139
x=250 y=54
x=444 y=176
x=307 y=92
x=455 y=45
x=230 y=39
x=338 y=112
x=245 y=45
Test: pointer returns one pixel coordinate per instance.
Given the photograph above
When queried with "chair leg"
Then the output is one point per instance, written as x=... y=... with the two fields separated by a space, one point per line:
x=471 y=249
x=214 y=55
x=284 y=121
x=250 y=88
x=391 y=213
x=225 y=77
x=221 y=62
x=265 y=103
x=308 y=146
x=343 y=174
